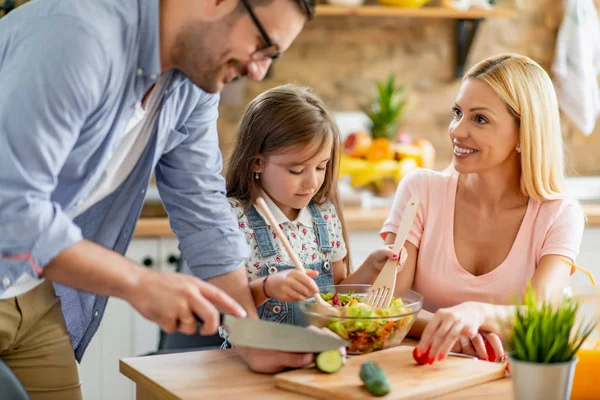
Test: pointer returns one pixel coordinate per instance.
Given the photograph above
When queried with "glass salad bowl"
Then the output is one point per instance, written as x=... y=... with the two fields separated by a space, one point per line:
x=367 y=329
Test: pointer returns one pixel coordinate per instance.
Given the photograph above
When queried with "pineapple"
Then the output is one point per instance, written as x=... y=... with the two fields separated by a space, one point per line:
x=385 y=110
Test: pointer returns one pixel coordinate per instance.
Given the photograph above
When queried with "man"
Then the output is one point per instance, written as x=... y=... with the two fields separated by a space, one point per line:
x=96 y=95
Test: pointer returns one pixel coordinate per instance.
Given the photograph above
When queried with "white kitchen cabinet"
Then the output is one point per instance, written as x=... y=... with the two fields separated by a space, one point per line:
x=362 y=243
x=123 y=331
x=169 y=254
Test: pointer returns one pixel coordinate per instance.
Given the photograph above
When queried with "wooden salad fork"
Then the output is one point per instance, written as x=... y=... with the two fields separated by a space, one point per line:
x=382 y=290
x=322 y=306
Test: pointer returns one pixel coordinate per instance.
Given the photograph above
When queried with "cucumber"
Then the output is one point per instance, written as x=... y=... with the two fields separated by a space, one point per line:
x=329 y=361
x=374 y=378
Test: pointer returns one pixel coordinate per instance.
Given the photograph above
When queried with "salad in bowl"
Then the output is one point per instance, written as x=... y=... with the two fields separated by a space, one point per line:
x=366 y=328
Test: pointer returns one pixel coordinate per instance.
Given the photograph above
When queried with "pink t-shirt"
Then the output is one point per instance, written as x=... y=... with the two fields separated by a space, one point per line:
x=549 y=227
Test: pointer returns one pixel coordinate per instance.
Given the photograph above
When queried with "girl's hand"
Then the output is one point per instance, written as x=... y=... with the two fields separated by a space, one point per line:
x=450 y=324
x=291 y=285
x=486 y=346
x=379 y=257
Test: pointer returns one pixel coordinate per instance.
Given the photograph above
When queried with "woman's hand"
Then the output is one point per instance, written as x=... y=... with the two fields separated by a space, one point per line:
x=485 y=346
x=291 y=285
x=379 y=257
x=447 y=326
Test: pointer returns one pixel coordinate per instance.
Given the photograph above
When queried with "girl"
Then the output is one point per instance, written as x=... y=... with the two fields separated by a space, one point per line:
x=499 y=220
x=287 y=152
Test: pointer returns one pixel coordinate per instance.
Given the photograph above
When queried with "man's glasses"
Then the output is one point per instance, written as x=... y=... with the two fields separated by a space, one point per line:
x=270 y=50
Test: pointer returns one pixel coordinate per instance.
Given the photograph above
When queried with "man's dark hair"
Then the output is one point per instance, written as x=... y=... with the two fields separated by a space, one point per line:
x=307 y=6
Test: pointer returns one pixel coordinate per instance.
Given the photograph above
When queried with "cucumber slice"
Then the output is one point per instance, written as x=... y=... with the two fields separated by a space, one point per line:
x=374 y=378
x=329 y=361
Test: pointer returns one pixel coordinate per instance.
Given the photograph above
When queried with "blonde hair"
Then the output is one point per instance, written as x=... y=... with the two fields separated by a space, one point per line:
x=275 y=121
x=530 y=97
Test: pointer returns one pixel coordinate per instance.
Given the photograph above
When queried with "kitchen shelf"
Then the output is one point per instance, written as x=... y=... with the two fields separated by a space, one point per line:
x=466 y=22
x=422 y=12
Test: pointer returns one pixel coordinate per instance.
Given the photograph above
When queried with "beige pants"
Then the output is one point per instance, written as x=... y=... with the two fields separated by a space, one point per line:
x=35 y=344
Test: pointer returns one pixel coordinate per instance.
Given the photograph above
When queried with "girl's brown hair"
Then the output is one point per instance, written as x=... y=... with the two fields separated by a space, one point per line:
x=277 y=120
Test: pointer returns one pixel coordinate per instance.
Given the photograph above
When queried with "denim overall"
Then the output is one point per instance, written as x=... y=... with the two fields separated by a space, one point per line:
x=273 y=309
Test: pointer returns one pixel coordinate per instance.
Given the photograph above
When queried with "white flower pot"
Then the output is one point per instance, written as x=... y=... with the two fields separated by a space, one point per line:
x=538 y=381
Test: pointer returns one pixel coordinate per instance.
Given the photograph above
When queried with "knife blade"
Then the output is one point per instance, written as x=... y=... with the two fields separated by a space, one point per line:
x=251 y=332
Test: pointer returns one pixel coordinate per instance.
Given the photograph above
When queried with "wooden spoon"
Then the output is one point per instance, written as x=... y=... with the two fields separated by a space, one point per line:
x=322 y=306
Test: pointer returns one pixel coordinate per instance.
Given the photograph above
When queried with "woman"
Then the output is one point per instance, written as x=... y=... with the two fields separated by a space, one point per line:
x=498 y=219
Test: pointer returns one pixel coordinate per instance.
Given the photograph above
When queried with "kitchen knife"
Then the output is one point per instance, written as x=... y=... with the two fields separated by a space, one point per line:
x=252 y=332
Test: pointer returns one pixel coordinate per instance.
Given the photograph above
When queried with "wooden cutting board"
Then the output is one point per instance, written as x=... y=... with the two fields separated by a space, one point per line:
x=407 y=379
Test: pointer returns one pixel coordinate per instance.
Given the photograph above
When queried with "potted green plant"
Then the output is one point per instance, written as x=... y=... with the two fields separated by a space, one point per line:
x=542 y=344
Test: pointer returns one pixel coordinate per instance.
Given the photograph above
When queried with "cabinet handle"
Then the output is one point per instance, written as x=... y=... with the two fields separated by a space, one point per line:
x=147 y=261
x=173 y=259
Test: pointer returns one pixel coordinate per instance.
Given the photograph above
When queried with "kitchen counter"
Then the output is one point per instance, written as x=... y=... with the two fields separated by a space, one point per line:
x=357 y=219
x=202 y=375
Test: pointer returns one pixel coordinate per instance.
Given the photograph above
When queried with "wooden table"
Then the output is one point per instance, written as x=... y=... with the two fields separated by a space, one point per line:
x=221 y=374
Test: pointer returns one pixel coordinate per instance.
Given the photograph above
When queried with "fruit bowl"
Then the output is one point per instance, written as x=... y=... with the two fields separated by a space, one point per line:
x=404 y=3
x=367 y=329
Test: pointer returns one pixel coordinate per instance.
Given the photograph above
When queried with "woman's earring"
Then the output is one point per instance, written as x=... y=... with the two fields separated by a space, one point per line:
x=518 y=148
x=256 y=176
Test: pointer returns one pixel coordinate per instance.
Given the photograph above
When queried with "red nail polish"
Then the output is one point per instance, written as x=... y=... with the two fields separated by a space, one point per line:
x=395 y=256
x=440 y=357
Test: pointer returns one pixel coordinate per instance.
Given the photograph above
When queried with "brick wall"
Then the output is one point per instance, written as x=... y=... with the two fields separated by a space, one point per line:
x=341 y=57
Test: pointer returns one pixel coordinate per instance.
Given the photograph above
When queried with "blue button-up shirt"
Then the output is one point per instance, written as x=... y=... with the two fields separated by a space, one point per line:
x=71 y=72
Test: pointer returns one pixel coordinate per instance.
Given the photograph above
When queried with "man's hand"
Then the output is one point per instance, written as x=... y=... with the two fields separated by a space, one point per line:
x=171 y=300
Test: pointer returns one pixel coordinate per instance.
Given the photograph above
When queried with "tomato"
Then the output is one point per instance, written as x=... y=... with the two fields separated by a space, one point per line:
x=421 y=358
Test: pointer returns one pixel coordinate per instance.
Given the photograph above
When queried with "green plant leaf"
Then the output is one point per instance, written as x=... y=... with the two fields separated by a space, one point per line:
x=386 y=109
x=544 y=332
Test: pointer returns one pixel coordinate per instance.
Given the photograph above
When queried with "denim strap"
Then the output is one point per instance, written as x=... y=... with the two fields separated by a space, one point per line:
x=261 y=233
x=320 y=226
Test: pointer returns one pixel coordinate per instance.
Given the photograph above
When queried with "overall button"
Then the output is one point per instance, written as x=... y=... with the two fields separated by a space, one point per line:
x=276 y=310
x=272 y=270
x=5 y=282
x=326 y=266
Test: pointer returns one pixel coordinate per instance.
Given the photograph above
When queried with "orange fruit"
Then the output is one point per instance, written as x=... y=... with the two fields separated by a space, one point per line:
x=380 y=149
